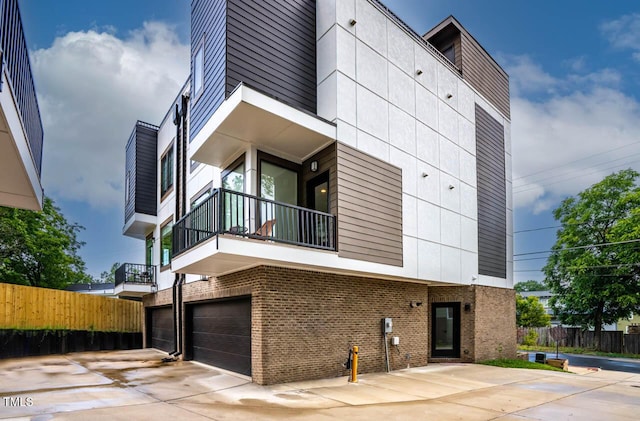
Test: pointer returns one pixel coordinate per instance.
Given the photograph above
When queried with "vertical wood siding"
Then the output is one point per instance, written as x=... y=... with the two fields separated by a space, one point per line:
x=271 y=46
x=492 y=199
x=208 y=25
x=369 y=208
x=26 y=307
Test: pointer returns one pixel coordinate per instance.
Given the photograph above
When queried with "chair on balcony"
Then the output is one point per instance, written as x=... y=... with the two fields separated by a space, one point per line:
x=266 y=230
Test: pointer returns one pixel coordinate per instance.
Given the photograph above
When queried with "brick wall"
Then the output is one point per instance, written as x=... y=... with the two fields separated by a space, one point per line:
x=313 y=318
x=495 y=328
x=304 y=322
x=488 y=329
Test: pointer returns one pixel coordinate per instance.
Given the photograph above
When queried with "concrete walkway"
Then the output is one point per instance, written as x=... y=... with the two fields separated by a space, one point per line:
x=132 y=385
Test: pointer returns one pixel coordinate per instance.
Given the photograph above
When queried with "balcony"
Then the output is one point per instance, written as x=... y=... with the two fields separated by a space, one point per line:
x=20 y=124
x=275 y=126
x=135 y=280
x=233 y=216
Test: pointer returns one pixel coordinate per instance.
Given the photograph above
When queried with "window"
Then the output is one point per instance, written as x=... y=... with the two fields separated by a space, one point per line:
x=166 y=171
x=149 y=251
x=233 y=179
x=198 y=70
x=127 y=187
x=166 y=243
x=450 y=53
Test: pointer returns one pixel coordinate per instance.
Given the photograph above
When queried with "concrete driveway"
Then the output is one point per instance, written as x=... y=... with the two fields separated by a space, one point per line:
x=131 y=385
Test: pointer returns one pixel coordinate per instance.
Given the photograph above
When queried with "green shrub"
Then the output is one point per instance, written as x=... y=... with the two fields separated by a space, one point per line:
x=531 y=338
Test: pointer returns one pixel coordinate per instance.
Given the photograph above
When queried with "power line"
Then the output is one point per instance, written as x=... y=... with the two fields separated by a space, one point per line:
x=572 y=170
x=577 y=160
x=579 y=247
x=538 y=229
x=566 y=179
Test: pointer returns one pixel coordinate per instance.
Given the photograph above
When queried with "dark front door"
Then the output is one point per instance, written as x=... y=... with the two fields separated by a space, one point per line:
x=445 y=330
x=316 y=227
x=220 y=334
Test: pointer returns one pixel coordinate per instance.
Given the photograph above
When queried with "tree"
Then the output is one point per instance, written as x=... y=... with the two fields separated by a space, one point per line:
x=530 y=312
x=594 y=266
x=40 y=248
x=529 y=285
x=109 y=276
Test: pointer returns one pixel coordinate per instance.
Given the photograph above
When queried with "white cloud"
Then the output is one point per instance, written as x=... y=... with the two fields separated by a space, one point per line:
x=624 y=32
x=526 y=76
x=572 y=138
x=92 y=87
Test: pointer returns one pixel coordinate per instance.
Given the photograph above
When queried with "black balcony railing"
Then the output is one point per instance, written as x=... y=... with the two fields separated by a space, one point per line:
x=132 y=273
x=244 y=215
x=15 y=61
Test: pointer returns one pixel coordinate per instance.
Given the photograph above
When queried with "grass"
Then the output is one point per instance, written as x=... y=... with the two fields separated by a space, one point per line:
x=583 y=351
x=515 y=363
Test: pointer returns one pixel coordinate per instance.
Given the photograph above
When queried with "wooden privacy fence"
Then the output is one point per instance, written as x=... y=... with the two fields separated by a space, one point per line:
x=30 y=308
x=610 y=341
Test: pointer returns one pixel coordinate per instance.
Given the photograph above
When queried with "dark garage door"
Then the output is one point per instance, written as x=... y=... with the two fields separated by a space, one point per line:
x=162 y=336
x=221 y=334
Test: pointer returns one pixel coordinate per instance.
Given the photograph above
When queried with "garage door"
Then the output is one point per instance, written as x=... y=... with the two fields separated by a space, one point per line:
x=162 y=336
x=221 y=334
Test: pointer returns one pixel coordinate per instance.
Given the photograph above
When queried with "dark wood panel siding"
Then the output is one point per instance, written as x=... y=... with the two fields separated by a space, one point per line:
x=369 y=207
x=146 y=174
x=492 y=197
x=271 y=46
x=326 y=162
x=479 y=69
x=130 y=169
x=141 y=165
x=208 y=25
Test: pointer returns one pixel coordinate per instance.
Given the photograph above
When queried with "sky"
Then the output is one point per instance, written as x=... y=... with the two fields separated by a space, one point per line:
x=574 y=70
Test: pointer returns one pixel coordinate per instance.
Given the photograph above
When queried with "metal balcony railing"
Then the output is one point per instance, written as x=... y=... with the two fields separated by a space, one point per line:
x=244 y=215
x=15 y=63
x=132 y=273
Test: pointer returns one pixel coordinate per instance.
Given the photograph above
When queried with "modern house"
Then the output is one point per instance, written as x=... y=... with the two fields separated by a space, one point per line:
x=327 y=178
x=20 y=123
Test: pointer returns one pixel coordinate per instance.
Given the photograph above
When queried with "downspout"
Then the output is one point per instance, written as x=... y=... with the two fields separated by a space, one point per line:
x=180 y=120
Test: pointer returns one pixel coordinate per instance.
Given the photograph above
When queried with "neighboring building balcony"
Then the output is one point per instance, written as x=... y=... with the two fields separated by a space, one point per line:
x=231 y=216
x=20 y=123
x=135 y=280
x=274 y=126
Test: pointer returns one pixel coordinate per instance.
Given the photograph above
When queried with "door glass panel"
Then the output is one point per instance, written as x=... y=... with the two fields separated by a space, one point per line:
x=234 y=204
x=279 y=184
x=321 y=197
x=444 y=328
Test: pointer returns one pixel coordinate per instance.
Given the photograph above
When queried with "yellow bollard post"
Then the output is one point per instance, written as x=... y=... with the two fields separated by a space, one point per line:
x=354 y=366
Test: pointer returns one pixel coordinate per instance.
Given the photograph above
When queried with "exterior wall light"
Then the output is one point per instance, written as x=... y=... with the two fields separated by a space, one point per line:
x=314 y=166
x=451 y=187
x=418 y=72
x=425 y=175
x=414 y=304
x=449 y=96
x=352 y=22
